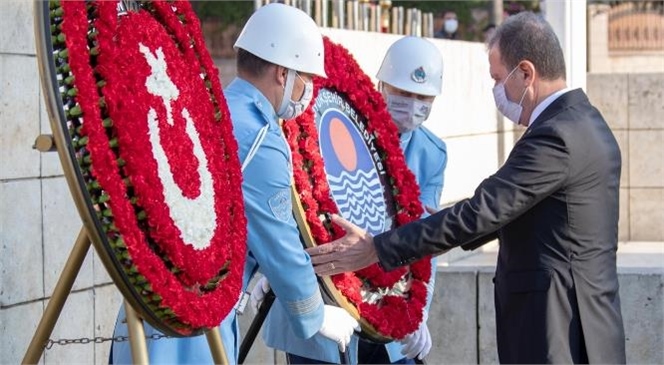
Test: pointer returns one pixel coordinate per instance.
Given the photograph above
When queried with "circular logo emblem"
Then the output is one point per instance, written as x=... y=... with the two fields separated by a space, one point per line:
x=419 y=75
x=347 y=160
x=355 y=173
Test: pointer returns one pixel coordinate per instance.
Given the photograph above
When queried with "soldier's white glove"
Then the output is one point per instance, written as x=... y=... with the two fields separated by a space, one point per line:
x=258 y=293
x=417 y=343
x=338 y=326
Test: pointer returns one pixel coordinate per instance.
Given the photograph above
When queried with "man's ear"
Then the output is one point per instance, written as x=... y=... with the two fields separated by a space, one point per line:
x=280 y=74
x=528 y=69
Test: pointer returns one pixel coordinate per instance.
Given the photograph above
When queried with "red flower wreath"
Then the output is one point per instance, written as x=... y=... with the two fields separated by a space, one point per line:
x=345 y=76
x=163 y=158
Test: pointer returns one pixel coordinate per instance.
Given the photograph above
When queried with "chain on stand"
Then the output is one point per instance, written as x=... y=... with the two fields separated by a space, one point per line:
x=85 y=340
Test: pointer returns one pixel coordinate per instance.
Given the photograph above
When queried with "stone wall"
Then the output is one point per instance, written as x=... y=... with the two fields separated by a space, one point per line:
x=603 y=60
x=633 y=105
x=38 y=220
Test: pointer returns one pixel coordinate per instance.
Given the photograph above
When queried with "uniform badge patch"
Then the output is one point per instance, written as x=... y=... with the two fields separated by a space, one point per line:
x=280 y=205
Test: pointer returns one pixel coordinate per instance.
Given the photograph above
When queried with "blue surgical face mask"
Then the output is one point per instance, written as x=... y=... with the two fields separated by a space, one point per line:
x=508 y=108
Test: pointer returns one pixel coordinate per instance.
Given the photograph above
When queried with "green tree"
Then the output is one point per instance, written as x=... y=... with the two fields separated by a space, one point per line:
x=227 y=12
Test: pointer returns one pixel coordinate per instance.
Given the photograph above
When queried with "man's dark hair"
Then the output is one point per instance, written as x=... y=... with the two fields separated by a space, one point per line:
x=250 y=63
x=447 y=11
x=526 y=36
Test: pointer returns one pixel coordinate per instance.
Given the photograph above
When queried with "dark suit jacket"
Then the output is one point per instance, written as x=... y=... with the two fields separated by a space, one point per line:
x=553 y=206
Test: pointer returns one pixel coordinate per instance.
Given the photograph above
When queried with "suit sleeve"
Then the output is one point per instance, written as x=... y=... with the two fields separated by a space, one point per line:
x=274 y=241
x=537 y=166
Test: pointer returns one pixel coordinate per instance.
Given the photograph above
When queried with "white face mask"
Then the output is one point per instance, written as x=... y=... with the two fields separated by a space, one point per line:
x=290 y=109
x=508 y=108
x=407 y=113
x=451 y=26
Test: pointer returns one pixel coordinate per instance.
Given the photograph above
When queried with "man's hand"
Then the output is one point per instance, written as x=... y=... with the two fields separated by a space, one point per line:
x=338 y=326
x=258 y=293
x=352 y=252
x=417 y=343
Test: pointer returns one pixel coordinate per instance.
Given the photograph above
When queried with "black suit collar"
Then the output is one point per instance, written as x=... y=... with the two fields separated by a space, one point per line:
x=565 y=100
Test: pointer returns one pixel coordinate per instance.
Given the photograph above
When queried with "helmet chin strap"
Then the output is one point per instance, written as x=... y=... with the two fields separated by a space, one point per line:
x=288 y=91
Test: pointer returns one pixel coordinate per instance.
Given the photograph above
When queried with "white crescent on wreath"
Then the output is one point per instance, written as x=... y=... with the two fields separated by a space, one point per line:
x=154 y=142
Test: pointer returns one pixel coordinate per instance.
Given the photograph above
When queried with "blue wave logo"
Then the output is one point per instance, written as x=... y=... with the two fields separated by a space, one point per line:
x=354 y=181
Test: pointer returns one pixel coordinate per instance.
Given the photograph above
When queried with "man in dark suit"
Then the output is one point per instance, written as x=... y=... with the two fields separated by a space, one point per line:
x=553 y=206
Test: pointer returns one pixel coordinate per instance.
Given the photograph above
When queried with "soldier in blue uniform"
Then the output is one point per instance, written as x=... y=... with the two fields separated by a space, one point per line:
x=409 y=85
x=410 y=78
x=279 y=50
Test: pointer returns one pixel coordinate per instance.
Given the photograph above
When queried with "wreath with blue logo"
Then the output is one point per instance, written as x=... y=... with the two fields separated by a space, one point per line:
x=391 y=304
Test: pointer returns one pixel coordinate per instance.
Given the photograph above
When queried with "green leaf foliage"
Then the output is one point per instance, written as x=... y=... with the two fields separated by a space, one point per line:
x=228 y=12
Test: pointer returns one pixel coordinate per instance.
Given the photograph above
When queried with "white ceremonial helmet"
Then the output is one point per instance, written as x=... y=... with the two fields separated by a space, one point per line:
x=285 y=36
x=413 y=64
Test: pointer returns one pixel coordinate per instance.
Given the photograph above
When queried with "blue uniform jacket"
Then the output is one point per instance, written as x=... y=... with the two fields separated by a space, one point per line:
x=273 y=238
x=426 y=156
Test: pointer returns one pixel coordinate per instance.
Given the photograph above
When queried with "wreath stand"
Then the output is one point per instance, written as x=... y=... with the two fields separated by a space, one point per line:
x=46 y=143
x=90 y=231
x=57 y=302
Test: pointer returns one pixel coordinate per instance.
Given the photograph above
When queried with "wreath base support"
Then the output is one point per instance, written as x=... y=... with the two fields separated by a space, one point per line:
x=58 y=299
x=139 y=349
x=216 y=346
x=60 y=294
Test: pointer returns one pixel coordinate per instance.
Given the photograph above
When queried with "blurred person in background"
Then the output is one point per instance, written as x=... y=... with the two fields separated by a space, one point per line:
x=450 y=25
